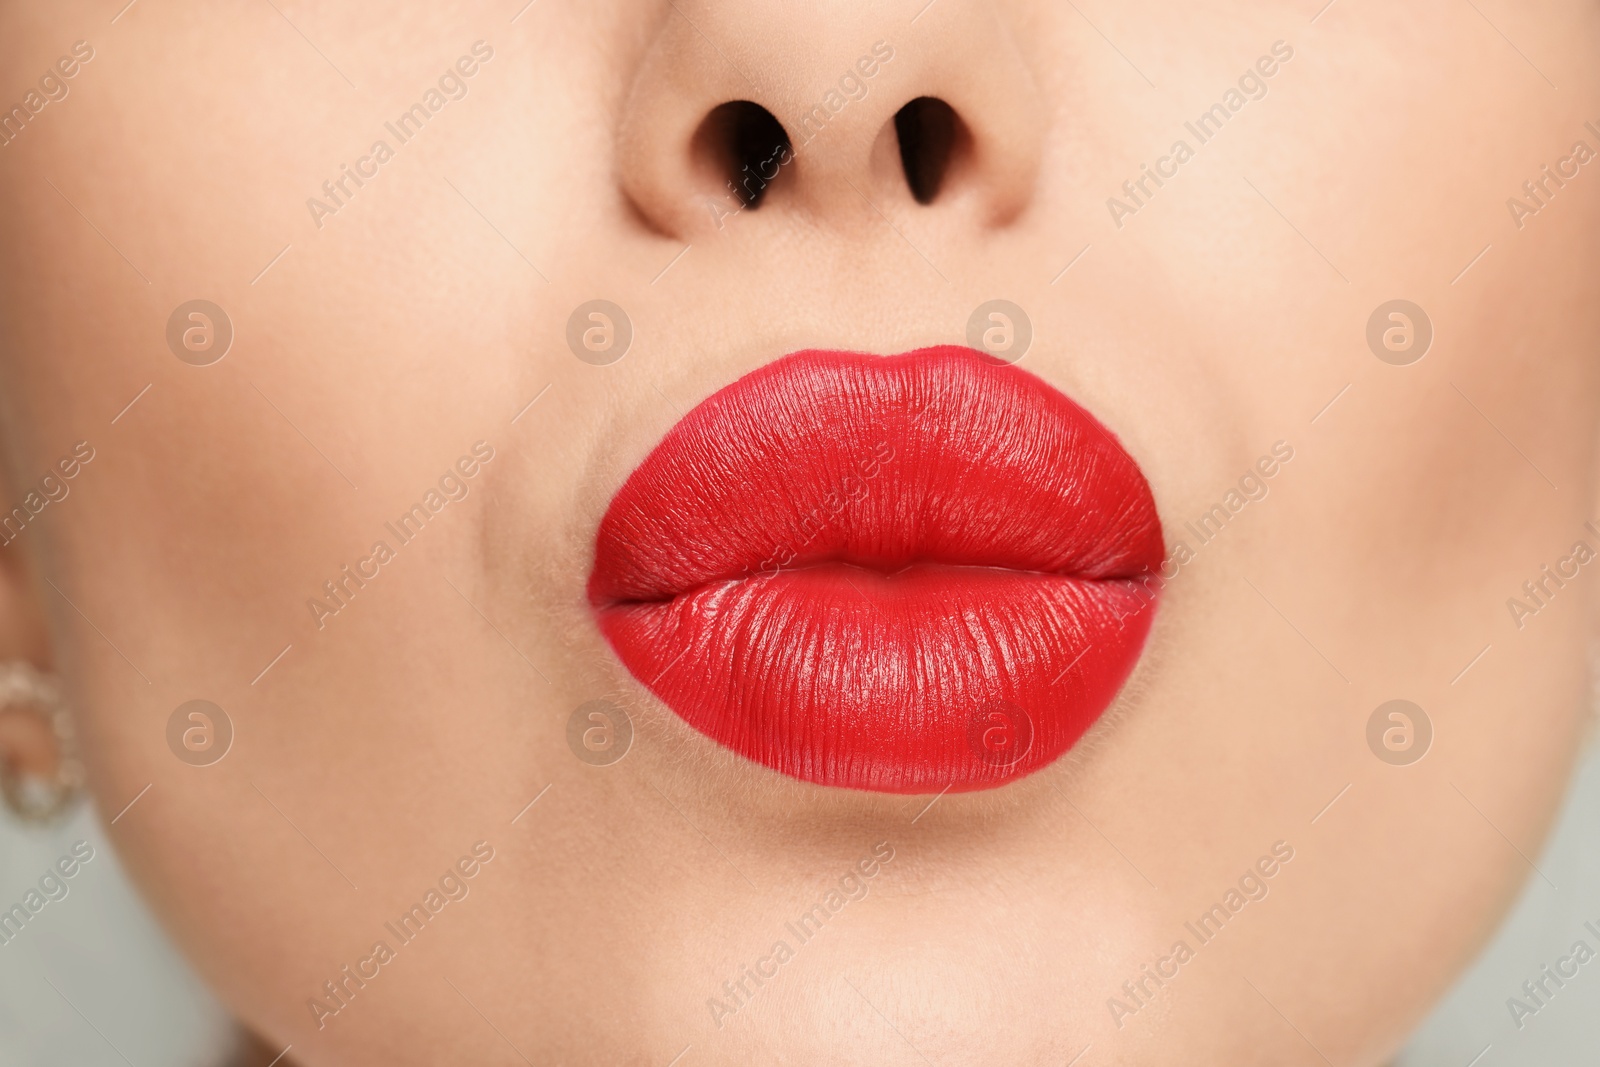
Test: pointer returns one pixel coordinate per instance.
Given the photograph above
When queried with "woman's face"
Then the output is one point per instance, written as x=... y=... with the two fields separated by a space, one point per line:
x=401 y=338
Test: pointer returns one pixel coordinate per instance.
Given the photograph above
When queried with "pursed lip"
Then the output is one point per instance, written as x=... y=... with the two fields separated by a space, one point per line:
x=896 y=573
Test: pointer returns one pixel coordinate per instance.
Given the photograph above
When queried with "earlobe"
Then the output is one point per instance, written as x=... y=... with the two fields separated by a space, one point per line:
x=40 y=773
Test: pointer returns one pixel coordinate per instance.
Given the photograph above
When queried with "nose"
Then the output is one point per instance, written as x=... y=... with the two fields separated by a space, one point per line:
x=827 y=112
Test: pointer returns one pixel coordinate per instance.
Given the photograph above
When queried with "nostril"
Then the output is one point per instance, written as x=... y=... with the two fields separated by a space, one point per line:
x=743 y=144
x=932 y=141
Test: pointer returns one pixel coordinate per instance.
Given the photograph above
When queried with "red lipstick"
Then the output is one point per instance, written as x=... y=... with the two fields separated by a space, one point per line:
x=895 y=573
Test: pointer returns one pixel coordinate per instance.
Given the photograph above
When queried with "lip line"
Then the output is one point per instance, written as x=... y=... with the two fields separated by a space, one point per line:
x=834 y=564
x=922 y=395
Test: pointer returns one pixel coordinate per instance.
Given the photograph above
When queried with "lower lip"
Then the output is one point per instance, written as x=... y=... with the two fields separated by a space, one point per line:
x=904 y=574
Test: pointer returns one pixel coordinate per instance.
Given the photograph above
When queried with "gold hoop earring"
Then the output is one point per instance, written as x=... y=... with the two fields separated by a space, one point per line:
x=30 y=798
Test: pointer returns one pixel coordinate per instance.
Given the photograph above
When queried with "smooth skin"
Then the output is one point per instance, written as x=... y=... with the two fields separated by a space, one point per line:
x=1227 y=314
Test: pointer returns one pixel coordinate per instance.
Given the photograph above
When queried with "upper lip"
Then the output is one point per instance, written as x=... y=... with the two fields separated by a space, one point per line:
x=1026 y=500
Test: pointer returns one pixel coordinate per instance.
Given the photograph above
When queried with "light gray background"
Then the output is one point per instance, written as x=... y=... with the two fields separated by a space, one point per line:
x=92 y=971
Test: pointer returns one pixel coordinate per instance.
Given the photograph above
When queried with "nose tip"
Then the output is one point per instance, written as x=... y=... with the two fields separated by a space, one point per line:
x=823 y=113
